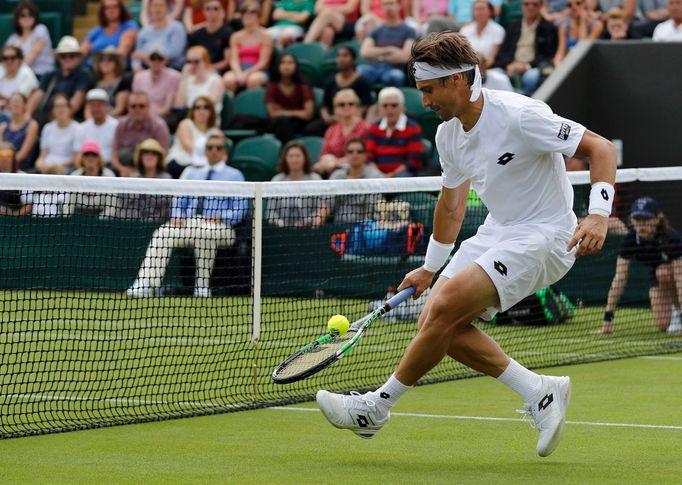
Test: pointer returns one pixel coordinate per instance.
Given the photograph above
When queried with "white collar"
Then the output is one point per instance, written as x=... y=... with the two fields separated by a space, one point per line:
x=399 y=126
x=218 y=167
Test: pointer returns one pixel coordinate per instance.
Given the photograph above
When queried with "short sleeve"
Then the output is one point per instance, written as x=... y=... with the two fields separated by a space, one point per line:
x=498 y=34
x=41 y=32
x=452 y=177
x=270 y=92
x=306 y=93
x=544 y=131
x=93 y=34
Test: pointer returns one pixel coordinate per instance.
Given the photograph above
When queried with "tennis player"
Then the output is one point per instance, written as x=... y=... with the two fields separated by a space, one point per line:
x=509 y=149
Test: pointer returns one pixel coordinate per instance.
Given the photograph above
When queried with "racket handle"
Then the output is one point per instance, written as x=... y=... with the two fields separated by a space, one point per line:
x=400 y=297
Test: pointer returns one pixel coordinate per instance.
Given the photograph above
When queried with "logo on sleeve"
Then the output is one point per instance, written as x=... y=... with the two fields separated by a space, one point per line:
x=500 y=268
x=505 y=159
x=564 y=131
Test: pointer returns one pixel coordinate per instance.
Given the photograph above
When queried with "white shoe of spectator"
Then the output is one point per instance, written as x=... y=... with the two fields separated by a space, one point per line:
x=202 y=292
x=140 y=289
x=675 y=326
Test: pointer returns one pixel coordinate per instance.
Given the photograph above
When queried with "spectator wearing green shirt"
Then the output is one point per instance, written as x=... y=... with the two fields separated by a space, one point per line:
x=290 y=19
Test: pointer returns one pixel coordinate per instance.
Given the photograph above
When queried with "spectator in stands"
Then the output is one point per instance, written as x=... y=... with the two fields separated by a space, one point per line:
x=235 y=13
x=100 y=126
x=133 y=129
x=57 y=139
x=12 y=202
x=161 y=31
x=288 y=99
x=294 y=165
x=214 y=35
x=425 y=11
x=16 y=77
x=555 y=11
x=333 y=19
x=528 y=48
x=387 y=48
x=486 y=35
x=493 y=78
x=204 y=223
x=576 y=27
x=199 y=79
x=349 y=126
x=618 y=27
x=671 y=29
x=190 y=138
x=176 y=10
x=149 y=159
x=111 y=76
x=655 y=243
x=89 y=162
x=346 y=77
x=160 y=82
x=394 y=142
x=70 y=78
x=250 y=51
x=653 y=12
x=21 y=131
x=371 y=16
x=290 y=19
x=32 y=38
x=629 y=8
x=116 y=29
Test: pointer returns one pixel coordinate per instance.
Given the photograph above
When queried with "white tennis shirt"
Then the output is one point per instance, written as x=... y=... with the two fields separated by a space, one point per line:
x=512 y=156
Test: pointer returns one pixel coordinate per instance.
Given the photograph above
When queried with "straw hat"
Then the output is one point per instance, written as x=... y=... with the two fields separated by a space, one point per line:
x=110 y=50
x=68 y=45
x=149 y=145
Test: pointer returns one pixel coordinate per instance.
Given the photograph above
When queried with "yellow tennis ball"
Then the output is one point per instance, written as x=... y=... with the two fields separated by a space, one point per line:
x=338 y=325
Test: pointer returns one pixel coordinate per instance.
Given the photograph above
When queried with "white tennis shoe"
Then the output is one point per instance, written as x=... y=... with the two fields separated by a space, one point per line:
x=548 y=412
x=355 y=412
x=140 y=289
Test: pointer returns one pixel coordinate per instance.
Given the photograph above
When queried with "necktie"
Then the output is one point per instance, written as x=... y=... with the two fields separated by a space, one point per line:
x=201 y=201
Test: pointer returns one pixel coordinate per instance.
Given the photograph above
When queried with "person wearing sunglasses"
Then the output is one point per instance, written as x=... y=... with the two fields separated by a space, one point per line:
x=579 y=25
x=32 y=37
x=653 y=242
x=199 y=79
x=214 y=35
x=162 y=30
x=16 y=76
x=112 y=77
x=190 y=137
x=204 y=223
x=159 y=81
x=116 y=29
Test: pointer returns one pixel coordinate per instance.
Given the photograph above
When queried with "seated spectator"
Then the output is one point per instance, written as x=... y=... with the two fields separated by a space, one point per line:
x=334 y=20
x=21 y=131
x=671 y=29
x=528 y=48
x=133 y=129
x=235 y=13
x=116 y=30
x=32 y=38
x=493 y=78
x=57 y=139
x=484 y=33
x=100 y=126
x=603 y=6
x=190 y=138
x=425 y=11
x=111 y=76
x=176 y=10
x=387 y=48
x=16 y=77
x=394 y=142
x=555 y=11
x=290 y=20
x=160 y=82
x=294 y=165
x=161 y=31
x=12 y=202
x=204 y=223
x=371 y=17
x=349 y=125
x=149 y=160
x=653 y=13
x=288 y=99
x=576 y=27
x=70 y=78
x=250 y=51
x=618 y=27
x=214 y=35
x=199 y=79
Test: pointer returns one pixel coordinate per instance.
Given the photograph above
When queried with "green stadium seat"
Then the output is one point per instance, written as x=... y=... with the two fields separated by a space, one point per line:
x=429 y=122
x=327 y=70
x=313 y=52
x=318 y=93
x=253 y=168
x=309 y=71
x=313 y=145
x=510 y=11
x=413 y=101
x=5 y=27
x=135 y=9
x=251 y=102
x=53 y=22
x=264 y=147
x=228 y=106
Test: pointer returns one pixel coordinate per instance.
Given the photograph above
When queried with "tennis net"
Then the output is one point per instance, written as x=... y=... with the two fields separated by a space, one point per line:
x=128 y=300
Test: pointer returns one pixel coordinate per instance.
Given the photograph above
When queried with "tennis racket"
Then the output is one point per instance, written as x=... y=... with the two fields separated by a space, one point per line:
x=323 y=352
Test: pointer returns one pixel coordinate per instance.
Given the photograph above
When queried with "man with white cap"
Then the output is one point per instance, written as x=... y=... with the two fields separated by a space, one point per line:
x=70 y=78
x=101 y=126
x=159 y=81
x=509 y=149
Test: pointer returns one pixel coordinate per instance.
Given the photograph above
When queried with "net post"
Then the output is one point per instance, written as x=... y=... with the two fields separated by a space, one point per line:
x=257 y=268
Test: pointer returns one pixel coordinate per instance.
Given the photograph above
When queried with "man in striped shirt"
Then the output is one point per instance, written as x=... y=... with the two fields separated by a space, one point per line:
x=394 y=142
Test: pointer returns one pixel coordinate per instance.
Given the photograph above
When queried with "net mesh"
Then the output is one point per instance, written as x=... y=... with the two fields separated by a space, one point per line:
x=120 y=306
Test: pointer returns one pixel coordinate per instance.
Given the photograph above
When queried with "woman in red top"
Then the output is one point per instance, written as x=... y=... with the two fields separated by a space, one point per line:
x=349 y=125
x=288 y=99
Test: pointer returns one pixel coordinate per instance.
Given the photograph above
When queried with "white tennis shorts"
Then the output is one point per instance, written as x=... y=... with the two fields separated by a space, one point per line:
x=520 y=260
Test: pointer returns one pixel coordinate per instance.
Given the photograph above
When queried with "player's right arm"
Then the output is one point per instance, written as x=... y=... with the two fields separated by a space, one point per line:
x=447 y=222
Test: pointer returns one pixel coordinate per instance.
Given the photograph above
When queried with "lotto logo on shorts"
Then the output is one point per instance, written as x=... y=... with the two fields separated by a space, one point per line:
x=564 y=131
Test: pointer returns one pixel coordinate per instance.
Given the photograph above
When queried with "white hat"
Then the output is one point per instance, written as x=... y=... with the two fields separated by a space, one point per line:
x=97 y=94
x=68 y=45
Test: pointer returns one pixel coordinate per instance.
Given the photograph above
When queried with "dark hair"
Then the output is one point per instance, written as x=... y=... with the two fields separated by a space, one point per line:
x=25 y=5
x=358 y=141
x=351 y=53
x=276 y=76
x=282 y=165
x=5 y=145
x=444 y=49
x=211 y=109
x=54 y=100
x=123 y=15
x=17 y=51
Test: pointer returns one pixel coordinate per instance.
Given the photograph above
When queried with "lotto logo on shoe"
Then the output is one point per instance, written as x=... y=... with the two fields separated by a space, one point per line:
x=545 y=401
x=384 y=395
x=362 y=421
x=564 y=131
x=500 y=268
x=505 y=159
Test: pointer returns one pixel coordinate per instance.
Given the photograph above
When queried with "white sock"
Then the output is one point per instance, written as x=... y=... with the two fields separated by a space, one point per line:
x=390 y=392
x=524 y=382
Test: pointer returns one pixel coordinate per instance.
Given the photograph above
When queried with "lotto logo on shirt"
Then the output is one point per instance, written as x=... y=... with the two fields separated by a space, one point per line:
x=564 y=131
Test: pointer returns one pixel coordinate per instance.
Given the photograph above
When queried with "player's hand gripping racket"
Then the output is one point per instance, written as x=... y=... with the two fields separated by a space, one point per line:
x=329 y=348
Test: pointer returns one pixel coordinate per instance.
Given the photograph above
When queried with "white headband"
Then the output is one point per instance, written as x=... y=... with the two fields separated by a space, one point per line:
x=423 y=71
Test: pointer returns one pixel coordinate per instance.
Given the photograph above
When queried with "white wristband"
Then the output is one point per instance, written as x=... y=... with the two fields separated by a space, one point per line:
x=601 y=199
x=436 y=255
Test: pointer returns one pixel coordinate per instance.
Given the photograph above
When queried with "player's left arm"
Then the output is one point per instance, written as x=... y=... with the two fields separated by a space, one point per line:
x=590 y=234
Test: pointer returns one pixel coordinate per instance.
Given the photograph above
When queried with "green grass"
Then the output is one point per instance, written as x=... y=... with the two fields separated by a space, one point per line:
x=284 y=446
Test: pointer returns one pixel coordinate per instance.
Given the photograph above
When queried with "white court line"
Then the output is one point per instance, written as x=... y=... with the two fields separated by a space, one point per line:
x=488 y=418
x=659 y=357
